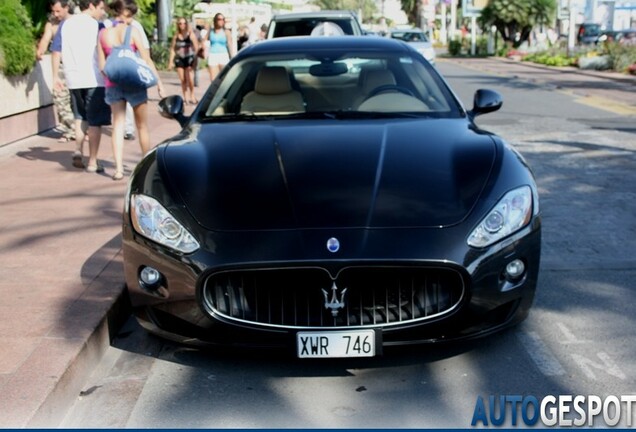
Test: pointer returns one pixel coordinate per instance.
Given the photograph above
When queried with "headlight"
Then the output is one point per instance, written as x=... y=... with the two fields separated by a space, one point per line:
x=151 y=220
x=511 y=213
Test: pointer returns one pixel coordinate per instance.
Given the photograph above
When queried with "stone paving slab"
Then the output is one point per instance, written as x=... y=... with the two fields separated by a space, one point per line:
x=61 y=271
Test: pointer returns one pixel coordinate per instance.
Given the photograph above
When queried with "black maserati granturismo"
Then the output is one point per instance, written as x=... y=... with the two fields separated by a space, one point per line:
x=331 y=195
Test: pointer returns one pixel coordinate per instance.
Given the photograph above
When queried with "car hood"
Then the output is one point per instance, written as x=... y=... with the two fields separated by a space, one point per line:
x=420 y=45
x=300 y=174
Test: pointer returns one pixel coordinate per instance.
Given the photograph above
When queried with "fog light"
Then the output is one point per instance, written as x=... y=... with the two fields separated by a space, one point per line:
x=149 y=277
x=515 y=269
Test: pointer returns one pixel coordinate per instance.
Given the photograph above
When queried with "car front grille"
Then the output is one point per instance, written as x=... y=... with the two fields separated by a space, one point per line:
x=310 y=298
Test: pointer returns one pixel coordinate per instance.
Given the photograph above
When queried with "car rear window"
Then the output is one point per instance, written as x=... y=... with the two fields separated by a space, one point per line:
x=306 y=26
x=410 y=36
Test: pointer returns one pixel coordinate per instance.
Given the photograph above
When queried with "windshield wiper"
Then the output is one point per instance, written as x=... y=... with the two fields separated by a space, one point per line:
x=232 y=117
x=352 y=115
x=314 y=115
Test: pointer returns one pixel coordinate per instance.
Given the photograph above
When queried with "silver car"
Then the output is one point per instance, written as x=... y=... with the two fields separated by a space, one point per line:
x=418 y=40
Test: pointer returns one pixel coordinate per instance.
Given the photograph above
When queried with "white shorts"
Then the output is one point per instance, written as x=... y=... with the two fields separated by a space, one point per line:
x=218 y=59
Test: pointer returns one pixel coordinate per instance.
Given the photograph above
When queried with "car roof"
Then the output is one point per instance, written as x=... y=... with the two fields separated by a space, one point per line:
x=308 y=43
x=407 y=30
x=311 y=15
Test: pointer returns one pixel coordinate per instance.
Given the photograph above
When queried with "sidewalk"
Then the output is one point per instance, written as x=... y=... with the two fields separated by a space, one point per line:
x=60 y=247
x=61 y=272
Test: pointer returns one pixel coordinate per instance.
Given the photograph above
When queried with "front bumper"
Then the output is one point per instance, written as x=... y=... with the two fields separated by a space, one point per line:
x=488 y=302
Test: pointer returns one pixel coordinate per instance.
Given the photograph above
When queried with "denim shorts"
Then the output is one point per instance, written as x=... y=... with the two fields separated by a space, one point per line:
x=88 y=105
x=133 y=96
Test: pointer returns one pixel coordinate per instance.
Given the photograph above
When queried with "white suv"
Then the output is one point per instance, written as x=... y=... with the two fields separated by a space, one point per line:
x=322 y=23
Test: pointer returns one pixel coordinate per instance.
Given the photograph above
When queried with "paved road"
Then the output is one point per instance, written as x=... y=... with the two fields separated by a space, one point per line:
x=609 y=91
x=582 y=156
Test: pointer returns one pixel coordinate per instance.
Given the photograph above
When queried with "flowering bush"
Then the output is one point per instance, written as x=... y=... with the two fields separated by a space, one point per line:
x=610 y=55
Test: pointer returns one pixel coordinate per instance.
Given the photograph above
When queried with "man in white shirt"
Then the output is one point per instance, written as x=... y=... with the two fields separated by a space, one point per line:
x=84 y=80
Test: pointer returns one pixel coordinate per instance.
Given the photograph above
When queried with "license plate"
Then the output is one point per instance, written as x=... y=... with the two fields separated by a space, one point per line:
x=354 y=343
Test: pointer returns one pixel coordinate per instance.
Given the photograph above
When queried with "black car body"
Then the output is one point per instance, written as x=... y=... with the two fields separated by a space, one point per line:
x=308 y=203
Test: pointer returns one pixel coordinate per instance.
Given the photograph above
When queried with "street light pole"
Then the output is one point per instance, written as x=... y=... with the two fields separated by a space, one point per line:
x=571 y=28
x=444 y=30
x=453 y=21
x=163 y=19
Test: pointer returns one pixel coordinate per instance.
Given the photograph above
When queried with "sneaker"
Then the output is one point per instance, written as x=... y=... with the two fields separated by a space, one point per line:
x=129 y=136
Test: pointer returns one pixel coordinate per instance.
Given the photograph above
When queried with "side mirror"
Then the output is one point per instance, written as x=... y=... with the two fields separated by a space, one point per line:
x=485 y=101
x=171 y=107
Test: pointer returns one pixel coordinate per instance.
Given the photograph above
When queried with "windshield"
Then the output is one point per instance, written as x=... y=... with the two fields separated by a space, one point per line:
x=350 y=85
x=410 y=36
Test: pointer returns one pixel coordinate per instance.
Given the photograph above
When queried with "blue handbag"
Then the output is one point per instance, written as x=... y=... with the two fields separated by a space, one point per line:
x=125 y=68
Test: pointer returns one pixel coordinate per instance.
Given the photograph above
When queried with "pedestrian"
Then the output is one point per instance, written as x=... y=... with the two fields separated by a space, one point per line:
x=220 y=49
x=243 y=37
x=78 y=41
x=60 y=10
x=129 y=133
x=183 y=52
x=116 y=96
x=254 y=32
x=201 y=54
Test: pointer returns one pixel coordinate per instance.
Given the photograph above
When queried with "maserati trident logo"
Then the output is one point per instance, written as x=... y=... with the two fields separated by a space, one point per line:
x=334 y=304
x=333 y=245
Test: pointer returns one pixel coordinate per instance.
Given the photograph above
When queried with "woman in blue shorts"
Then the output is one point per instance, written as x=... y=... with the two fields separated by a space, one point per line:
x=116 y=97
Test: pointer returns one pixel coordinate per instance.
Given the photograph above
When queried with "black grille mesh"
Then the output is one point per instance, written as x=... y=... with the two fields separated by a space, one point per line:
x=375 y=296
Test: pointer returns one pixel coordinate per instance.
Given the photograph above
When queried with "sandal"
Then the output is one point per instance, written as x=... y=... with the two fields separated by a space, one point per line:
x=118 y=175
x=78 y=160
x=95 y=169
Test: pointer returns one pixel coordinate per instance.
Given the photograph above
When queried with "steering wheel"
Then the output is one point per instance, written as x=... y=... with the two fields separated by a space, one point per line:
x=390 y=88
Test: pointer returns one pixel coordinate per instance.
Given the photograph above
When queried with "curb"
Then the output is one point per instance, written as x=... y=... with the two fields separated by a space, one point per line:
x=43 y=403
x=62 y=397
x=615 y=76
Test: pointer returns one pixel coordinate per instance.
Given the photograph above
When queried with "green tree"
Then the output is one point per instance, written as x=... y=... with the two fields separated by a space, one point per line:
x=38 y=10
x=410 y=8
x=515 y=19
x=147 y=15
x=366 y=7
x=183 y=8
x=17 y=42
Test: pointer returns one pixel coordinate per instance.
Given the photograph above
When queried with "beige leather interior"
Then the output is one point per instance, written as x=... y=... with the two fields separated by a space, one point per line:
x=374 y=78
x=273 y=93
x=385 y=102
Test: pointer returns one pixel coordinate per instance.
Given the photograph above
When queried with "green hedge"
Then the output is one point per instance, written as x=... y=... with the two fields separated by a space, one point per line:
x=17 y=44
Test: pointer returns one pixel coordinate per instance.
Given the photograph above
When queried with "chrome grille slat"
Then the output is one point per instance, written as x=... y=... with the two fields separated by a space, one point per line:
x=293 y=297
